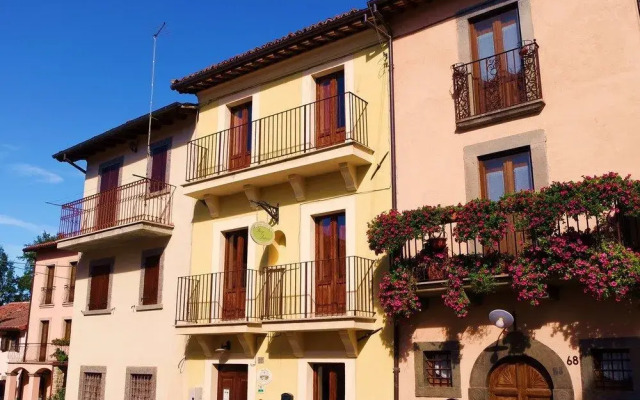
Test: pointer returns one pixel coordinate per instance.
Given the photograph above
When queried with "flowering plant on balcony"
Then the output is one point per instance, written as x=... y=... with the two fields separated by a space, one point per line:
x=398 y=293
x=567 y=231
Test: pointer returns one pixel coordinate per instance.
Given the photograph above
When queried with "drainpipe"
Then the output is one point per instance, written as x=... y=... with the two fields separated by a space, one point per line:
x=373 y=7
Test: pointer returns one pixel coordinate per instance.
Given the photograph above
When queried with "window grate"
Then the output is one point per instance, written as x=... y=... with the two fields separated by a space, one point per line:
x=141 y=387
x=612 y=369
x=91 y=388
x=438 y=371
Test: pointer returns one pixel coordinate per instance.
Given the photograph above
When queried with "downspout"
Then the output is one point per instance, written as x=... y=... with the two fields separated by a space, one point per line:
x=394 y=198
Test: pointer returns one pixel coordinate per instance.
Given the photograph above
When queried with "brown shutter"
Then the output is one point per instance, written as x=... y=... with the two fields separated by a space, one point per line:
x=99 y=295
x=72 y=283
x=151 y=280
x=67 y=329
x=159 y=167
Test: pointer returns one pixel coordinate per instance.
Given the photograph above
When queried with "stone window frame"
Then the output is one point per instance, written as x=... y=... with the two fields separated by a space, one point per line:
x=111 y=261
x=162 y=142
x=589 y=392
x=84 y=369
x=536 y=141
x=153 y=371
x=422 y=387
x=145 y=254
x=464 y=25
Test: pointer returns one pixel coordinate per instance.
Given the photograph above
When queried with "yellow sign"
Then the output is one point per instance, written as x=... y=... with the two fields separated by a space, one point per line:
x=262 y=233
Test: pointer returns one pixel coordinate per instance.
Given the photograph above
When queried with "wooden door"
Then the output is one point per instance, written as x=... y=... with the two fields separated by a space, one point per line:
x=99 y=287
x=328 y=382
x=497 y=73
x=506 y=173
x=519 y=380
x=330 y=274
x=330 y=110
x=151 y=280
x=240 y=137
x=107 y=206
x=235 y=272
x=44 y=337
x=232 y=382
x=274 y=286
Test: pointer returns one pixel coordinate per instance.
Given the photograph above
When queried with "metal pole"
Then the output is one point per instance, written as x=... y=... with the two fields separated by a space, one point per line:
x=153 y=76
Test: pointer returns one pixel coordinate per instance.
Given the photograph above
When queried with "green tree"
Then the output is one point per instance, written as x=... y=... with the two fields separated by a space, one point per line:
x=23 y=283
x=8 y=280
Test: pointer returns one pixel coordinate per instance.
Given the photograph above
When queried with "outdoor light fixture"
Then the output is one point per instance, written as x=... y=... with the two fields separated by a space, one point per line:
x=501 y=318
x=224 y=347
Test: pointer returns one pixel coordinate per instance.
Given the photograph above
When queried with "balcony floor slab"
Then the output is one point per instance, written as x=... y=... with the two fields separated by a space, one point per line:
x=319 y=324
x=114 y=235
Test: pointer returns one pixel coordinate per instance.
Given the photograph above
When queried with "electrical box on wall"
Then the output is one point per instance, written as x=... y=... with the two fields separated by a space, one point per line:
x=195 y=393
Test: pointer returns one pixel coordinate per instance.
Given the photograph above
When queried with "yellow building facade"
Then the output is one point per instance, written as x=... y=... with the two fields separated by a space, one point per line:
x=289 y=162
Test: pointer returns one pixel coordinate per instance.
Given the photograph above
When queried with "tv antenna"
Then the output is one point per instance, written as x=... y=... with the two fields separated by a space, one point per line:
x=153 y=76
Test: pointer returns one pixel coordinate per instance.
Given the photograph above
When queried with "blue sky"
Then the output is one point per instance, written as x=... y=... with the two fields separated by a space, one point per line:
x=73 y=69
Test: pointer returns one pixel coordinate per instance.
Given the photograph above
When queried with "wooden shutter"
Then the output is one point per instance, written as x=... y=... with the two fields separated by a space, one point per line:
x=99 y=295
x=72 y=283
x=151 y=280
x=67 y=329
x=159 y=159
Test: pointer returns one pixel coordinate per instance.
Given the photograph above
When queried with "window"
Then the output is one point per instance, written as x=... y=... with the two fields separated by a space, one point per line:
x=67 y=329
x=612 y=369
x=92 y=385
x=437 y=368
x=71 y=287
x=9 y=341
x=506 y=172
x=99 y=287
x=44 y=338
x=140 y=383
x=151 y=279
x=159 y=165
x=47 y=290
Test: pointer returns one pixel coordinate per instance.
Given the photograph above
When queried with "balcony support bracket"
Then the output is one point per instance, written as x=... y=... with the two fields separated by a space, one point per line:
x=349 y=175
x=298 y=186
x=253 y=195
x=296 y=341
x=206 y=349
x=350 y=342
x=213 y=204
x=248 y=343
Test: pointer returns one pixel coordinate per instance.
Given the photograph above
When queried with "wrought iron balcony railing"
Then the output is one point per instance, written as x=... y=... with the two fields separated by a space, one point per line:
x=313 y=289
x=498 y=82
x=625 y=230
x=46 y=295
x=39 y=353
x=307 y=128
x=142 y=200
x=69 y=293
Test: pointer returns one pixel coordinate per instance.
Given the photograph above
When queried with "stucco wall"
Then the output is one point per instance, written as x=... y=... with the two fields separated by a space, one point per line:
x=290 y=84
x=126 y=337
x=589 y=72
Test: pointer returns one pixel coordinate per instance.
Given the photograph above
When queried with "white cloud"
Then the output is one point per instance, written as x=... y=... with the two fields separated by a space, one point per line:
x=7 y=220
x=9 y=147
x=40 y=174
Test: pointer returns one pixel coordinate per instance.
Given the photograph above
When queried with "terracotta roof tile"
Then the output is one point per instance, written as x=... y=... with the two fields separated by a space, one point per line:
x=14 y=316
x=40 y=246
x=178 y=84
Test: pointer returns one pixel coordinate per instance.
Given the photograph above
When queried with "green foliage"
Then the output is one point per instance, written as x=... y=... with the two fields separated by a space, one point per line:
x=23 y=284
x=59 y=395
x=8 y=280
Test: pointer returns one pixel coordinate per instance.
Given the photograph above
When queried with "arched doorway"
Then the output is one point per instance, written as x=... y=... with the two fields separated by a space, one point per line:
x=44 y=386
x=23 y=381
x=519 y=378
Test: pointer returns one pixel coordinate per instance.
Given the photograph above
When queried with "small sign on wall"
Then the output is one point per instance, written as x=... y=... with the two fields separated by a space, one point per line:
x=226 y=394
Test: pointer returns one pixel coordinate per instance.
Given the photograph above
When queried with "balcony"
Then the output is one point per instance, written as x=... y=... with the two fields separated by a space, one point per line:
x=140 y=209
x=46 y=353
x=325 y=136
x=306 y=296
x=497 y=88
x=69 y=293
x=46 y=296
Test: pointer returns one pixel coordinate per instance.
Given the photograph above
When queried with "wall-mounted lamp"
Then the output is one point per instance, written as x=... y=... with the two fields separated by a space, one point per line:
x=501 y=318
x=224 y=347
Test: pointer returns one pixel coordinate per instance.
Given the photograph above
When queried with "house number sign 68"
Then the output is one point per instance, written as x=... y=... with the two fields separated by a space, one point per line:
x=573 y=360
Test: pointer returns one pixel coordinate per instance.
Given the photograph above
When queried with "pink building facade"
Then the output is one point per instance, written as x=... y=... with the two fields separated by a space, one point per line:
x=37 y=369
x=500 y=96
